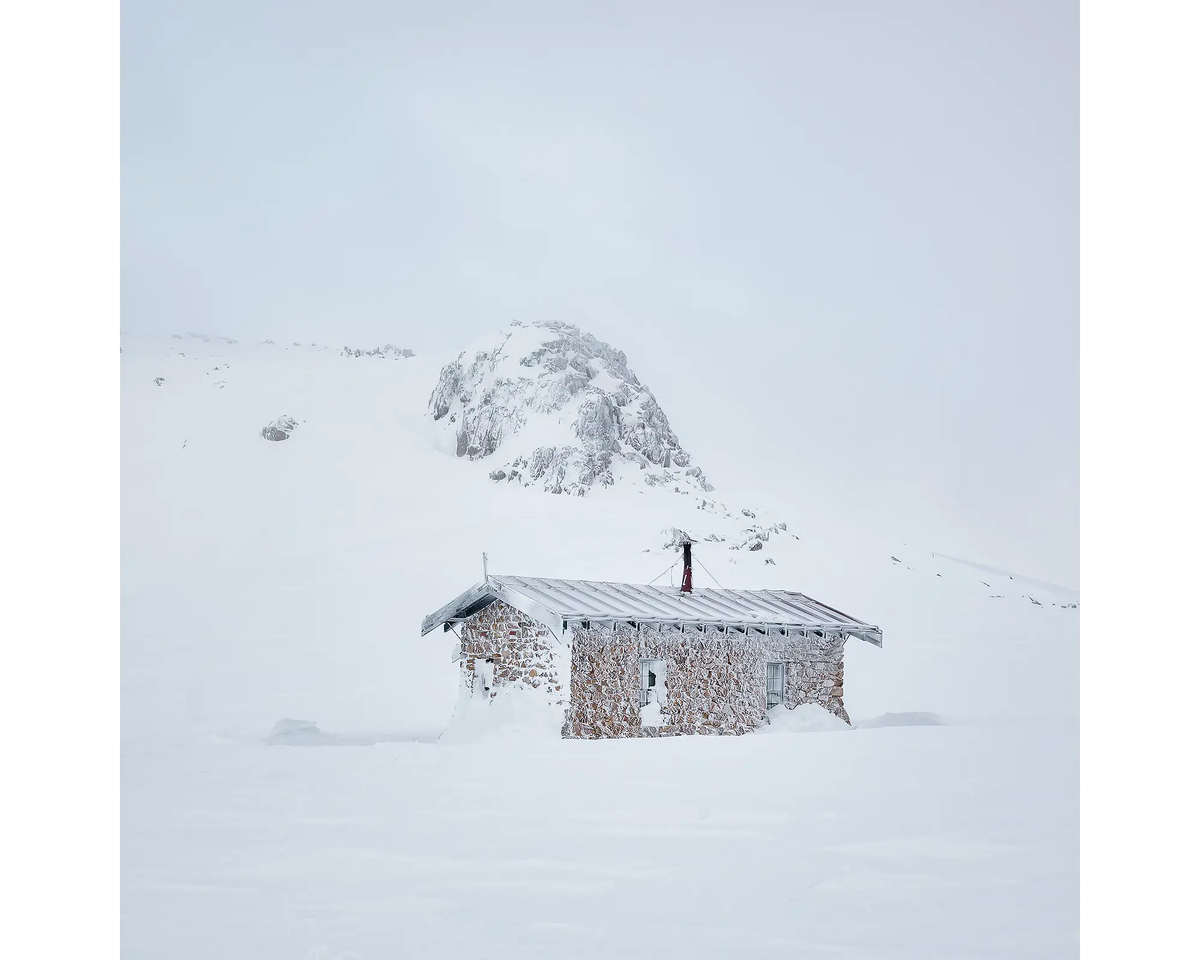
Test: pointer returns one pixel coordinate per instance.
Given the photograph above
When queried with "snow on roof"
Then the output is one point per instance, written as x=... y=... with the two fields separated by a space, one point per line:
x=558 y=602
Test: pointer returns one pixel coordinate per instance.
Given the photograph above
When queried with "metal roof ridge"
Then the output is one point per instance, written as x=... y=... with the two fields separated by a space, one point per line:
x=580 y=599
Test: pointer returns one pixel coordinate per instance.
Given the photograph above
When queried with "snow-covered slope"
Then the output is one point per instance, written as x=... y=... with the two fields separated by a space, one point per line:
x=266 y=579
x=273 y=586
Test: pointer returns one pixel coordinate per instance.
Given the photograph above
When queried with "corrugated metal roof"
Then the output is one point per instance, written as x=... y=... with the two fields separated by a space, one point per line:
x=576 y=600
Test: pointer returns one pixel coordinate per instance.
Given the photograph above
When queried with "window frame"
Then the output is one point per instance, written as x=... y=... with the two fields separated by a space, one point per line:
x=659 y=675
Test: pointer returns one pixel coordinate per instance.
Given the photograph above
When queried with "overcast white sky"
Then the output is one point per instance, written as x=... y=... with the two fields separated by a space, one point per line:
x=838 y=240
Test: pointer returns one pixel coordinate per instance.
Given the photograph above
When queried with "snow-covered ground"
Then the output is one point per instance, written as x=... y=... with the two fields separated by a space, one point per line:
x=904 y=842
x=267 y=580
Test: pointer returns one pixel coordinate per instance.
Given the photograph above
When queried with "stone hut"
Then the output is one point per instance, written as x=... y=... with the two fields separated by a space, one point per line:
x=630 y=660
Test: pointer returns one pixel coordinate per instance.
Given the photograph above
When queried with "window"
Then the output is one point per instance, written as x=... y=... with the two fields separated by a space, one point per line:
x=774 y=684
x=653 y=674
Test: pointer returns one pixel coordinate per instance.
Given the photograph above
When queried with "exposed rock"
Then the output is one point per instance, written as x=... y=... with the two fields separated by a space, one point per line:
x=599 y=417
x=159 y=381
x=279 y=429
x=387 y=350
x=676 y=538
x=754 y=537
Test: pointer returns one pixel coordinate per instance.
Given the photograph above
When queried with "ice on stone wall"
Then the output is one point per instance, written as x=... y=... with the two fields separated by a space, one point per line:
x=484 y=676
x=515 y=677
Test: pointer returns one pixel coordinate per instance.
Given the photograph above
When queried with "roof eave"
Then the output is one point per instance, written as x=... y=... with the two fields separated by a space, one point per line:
x=482 y=594
x=492 y=588
x=872 y=635
x=862 y=631
x=474 y=597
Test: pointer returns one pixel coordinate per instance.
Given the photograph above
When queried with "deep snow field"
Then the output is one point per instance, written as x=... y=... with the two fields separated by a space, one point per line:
x=268 y=580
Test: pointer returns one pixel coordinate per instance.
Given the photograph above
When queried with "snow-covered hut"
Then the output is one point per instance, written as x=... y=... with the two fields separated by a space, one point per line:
x=631 y=660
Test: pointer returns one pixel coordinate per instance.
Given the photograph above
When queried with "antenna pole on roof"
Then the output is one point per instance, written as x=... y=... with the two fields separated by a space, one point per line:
x=686 y=587
x=485 y=568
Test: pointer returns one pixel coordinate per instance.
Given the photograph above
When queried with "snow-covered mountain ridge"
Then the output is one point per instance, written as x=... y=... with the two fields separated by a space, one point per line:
x=557 y=409
x=387 y=351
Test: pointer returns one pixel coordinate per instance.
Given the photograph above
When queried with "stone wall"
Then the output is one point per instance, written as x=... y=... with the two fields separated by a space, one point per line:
x=524 y=652
x=715 y=682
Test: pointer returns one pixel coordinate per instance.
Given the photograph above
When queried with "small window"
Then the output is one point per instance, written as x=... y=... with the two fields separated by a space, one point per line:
x=775 y=674
x=653 y=673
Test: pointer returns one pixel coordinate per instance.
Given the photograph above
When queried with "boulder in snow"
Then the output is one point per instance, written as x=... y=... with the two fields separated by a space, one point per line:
x=909 y=719
x=305 y=733
x=279 y=429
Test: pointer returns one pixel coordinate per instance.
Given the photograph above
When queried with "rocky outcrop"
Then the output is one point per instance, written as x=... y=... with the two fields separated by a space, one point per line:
x=279 y=429
x=675 y=538
x=564 y=410
x=387 y=350
x=753 y=538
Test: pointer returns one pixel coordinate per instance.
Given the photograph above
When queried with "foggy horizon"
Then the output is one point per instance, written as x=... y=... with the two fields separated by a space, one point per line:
x=839 y=245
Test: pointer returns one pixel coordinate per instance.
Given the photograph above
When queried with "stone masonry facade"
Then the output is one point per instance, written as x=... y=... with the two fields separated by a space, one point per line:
x=716 y=683
x=522 y=651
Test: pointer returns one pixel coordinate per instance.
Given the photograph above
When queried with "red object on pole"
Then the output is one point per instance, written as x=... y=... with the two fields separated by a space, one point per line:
x=687 y=569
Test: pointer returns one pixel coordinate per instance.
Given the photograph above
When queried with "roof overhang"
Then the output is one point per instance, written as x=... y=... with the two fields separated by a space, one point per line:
x=491 y=589
x=870 y=634
x=465 y=604
x=483 y=595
